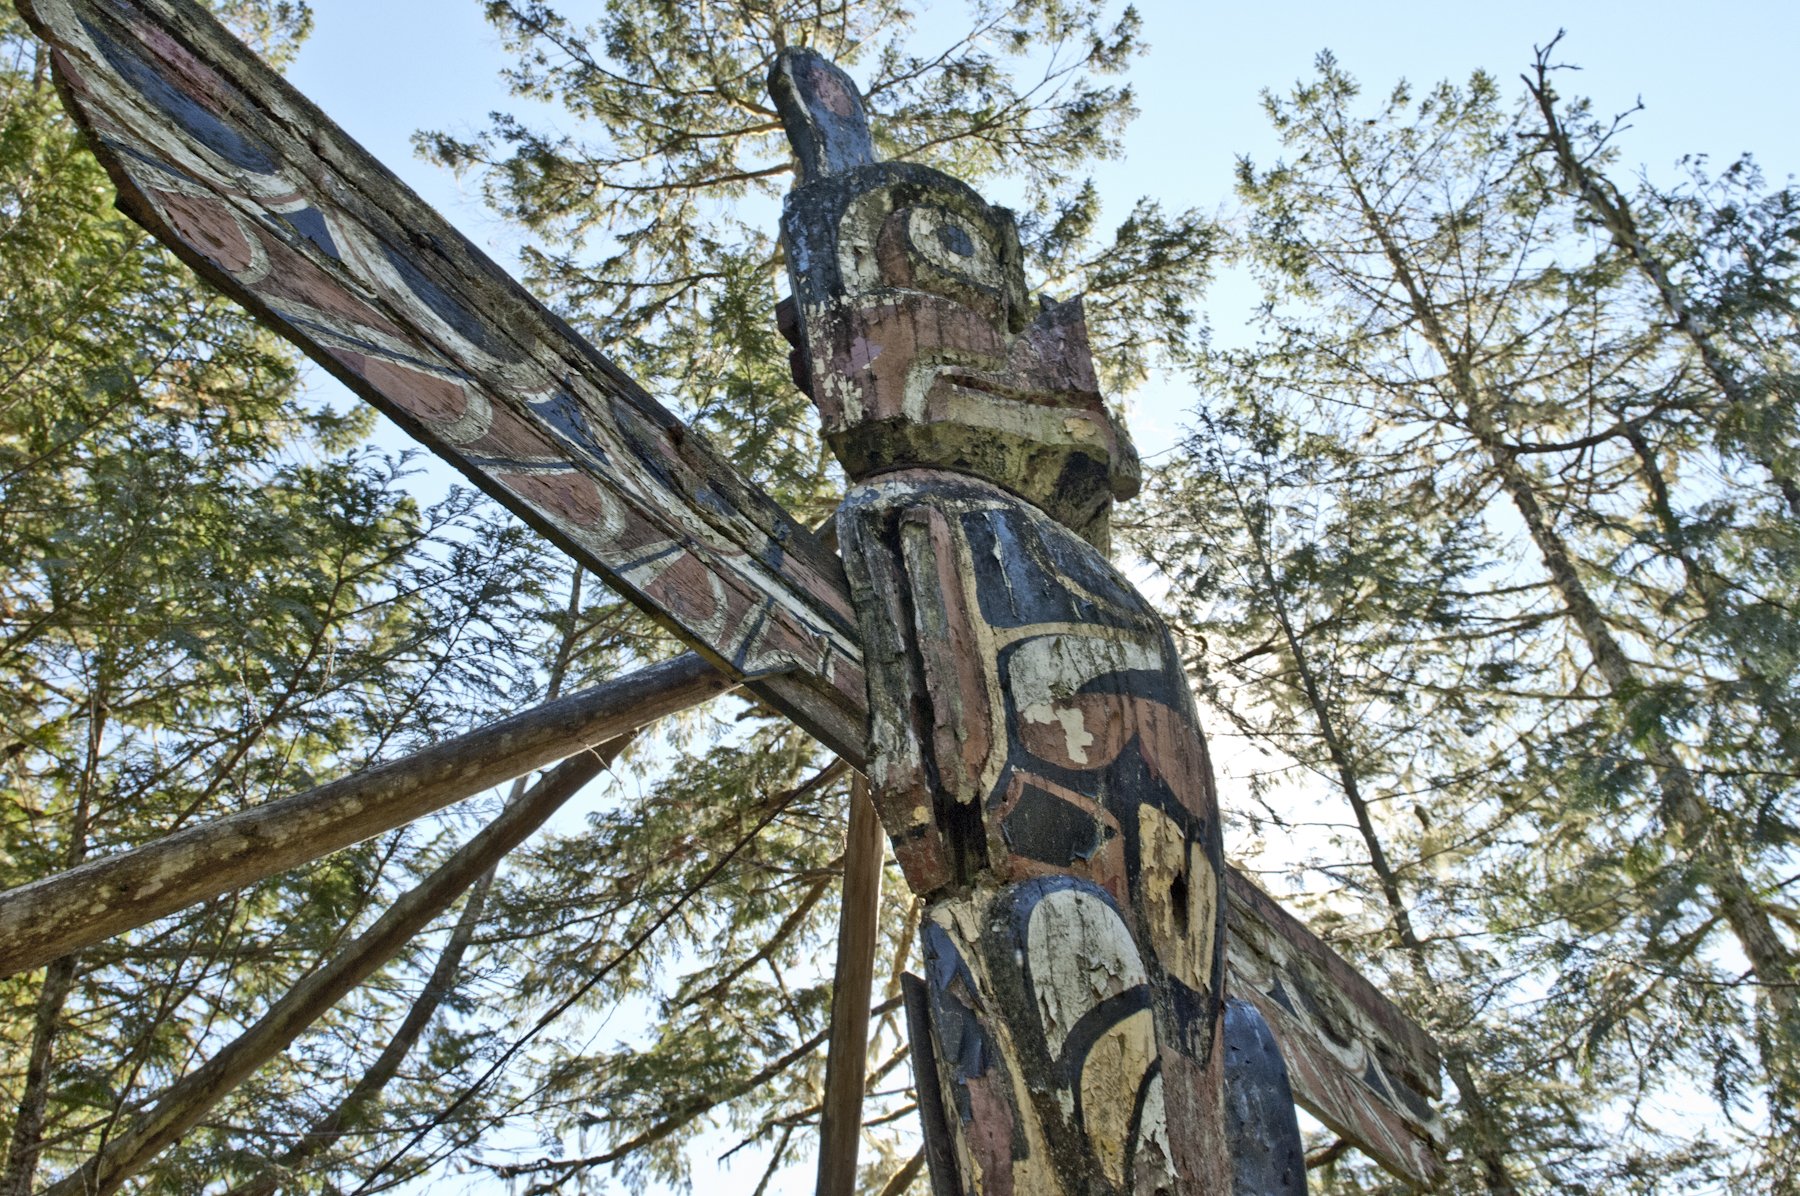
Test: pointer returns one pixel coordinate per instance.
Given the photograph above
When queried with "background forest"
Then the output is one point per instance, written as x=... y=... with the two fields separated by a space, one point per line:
x=1482 y=545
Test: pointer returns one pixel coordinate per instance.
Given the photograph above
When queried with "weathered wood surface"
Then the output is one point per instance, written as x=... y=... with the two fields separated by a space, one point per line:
x=846 y=1059
x=112 y=894
x=970 y=375
x=1039 y=765
x=1355 y=1061
x=183 y=1104
x=1034 y=750
x=1259 y=1098
x=254 y=187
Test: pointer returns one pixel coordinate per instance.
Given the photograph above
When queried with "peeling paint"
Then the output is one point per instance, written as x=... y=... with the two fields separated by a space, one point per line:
x=1110 y=1079
x=1080 y=953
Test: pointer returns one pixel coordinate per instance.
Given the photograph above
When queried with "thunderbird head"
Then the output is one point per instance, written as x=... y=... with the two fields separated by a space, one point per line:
x=912 y=328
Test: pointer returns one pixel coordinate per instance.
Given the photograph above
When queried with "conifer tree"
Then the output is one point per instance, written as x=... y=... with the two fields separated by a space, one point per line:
x=707 y=900
x=211 y=593
x=1522 y=606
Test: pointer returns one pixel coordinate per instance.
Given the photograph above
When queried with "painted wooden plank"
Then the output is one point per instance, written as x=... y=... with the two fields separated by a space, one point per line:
x=267 y=199
x=1355 y=1061
x=257 y=190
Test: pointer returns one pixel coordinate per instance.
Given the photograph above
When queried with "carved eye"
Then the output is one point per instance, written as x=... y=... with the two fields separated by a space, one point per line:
x=921 y=239
x=953 y=247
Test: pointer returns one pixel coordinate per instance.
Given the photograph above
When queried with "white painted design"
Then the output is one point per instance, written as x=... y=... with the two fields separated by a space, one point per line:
x=1081 y=953
x=857 y=231
x=930 y=227
x=1153 y=1159
x=1046 y=672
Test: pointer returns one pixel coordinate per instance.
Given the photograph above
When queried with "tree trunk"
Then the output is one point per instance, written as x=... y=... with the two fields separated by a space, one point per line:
x=1488 y=1135
x=28 y=1125
x=355 y=1106
x=26 y=1144
x=1713 y=592
x=1684 y=810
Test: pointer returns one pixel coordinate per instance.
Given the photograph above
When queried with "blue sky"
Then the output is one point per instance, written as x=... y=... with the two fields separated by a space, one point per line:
x=1718 y=82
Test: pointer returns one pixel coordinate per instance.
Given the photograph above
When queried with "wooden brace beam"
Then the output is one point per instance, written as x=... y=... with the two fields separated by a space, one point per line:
x=183 y=1104
x=112 y=894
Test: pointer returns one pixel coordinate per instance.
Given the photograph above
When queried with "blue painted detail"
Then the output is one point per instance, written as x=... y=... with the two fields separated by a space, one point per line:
x=450 y=310
x=310 y=223
x=709 y=497
x=513 y=463
x=1022 y=571
x=126 y=149
x=563 y=413
x=649 y=559
x=961 y=1037
x=1267 y=1155
x=956 y=239
x=647 y=456
x=193 y=119
x=1024 y=897
x=826 y=139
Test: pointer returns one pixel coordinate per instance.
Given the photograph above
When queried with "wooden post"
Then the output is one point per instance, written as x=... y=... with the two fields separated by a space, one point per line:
x=840 y=1118
x=112 y=894
x=1034 y=751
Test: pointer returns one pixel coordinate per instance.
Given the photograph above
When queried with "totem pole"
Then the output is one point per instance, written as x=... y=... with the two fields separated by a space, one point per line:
x=1019 y=709
x=1034 y=752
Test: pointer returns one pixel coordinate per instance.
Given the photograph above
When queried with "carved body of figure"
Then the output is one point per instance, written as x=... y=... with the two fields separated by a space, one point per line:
x=1035 y=755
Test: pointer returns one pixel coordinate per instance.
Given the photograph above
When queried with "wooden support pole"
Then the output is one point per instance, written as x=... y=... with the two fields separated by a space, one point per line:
x=840 y=1123
x=110 y=895
x=940 y=1157
x=189 y=1099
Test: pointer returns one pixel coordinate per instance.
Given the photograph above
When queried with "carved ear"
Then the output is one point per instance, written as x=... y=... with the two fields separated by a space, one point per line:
x=822 y=112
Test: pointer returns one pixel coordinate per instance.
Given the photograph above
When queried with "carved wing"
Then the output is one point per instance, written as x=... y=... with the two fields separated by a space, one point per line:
x=267 y=199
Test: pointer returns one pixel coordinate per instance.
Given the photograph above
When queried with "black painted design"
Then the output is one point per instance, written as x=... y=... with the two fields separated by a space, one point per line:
x=187 y=114
x=1268 y=1157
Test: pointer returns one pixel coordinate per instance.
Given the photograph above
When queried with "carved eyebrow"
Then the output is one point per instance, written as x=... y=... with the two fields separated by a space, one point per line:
x=822 y=112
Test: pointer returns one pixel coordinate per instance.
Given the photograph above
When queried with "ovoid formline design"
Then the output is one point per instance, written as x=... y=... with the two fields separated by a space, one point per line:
x=252 y=186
